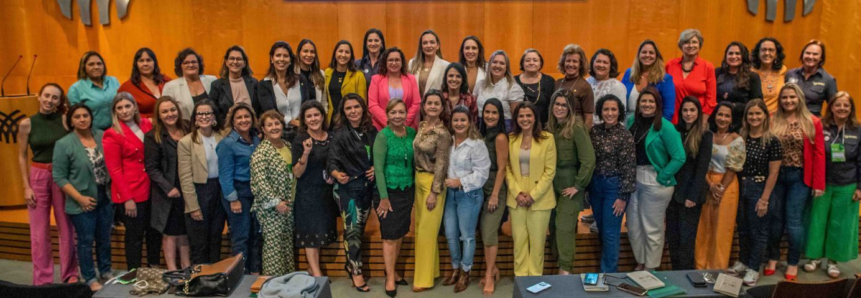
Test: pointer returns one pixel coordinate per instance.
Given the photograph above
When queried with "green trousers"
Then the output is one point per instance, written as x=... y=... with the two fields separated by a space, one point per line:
x=832 y=230
x=563 y=228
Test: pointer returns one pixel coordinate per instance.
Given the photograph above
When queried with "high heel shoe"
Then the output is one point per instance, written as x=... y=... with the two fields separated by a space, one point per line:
x=363 y=288
x=392 y=293
x=400 y=282
x=495 y=276
x=453 y=278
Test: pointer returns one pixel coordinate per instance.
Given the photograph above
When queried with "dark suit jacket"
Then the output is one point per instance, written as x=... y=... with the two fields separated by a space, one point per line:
x=691 y=177
x=222 y=95
x=265 y=99
x=161 y=165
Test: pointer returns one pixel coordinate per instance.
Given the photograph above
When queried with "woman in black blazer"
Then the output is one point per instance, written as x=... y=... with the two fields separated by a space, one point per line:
x=160 y=162
x=235 y=71
x=293 y=89
x=683 y=213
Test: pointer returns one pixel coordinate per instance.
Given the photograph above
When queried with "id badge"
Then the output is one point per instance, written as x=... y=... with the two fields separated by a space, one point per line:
x=838 y=153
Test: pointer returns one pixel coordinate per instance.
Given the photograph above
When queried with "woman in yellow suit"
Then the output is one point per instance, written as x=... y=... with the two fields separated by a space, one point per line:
x=532 y=166
x=342 y=77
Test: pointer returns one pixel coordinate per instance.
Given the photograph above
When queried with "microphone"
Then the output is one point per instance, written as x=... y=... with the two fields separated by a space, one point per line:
x=30 y=73
x=2 y=89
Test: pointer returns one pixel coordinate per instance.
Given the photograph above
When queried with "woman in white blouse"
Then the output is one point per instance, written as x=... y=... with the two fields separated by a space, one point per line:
x=499 y=84
x=602 y=77
x=428 y=66
x=281 y=89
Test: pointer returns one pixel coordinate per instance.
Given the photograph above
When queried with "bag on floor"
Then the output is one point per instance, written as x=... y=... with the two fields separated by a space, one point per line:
x=219 y=279
x=149 y=281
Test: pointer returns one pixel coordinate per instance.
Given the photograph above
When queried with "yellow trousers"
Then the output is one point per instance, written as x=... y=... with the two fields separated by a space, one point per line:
x=427 y=232
x=529 y=230
x=717 y=224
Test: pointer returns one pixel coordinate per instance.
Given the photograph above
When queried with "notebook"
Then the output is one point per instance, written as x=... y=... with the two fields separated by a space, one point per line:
x=728 y=285
x=645 y=280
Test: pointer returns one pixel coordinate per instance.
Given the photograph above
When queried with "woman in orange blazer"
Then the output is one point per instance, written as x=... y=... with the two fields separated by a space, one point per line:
x=390 y=82
x=124 y=159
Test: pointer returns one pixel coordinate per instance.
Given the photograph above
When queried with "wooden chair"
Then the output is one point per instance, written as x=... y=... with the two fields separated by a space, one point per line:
x=828 y=289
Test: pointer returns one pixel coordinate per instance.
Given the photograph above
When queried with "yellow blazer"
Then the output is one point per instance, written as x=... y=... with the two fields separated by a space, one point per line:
x=354 y=82
x=542 y=170
x=192 y=168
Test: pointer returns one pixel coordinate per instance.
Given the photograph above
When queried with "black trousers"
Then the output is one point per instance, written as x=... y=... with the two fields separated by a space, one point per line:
x=682 y=224
x=137 y=228
x=204 y=236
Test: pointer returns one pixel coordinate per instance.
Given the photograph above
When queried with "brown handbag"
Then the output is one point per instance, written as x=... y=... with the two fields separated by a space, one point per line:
x=219 y=279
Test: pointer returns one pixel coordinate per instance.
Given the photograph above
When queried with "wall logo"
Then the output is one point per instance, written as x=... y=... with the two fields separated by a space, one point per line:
x=9 y=126
x=788 y=9
x=104 y=10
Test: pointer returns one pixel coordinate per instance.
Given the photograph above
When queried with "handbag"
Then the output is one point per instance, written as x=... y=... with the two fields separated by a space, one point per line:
x=149 y=281
x=219 y=279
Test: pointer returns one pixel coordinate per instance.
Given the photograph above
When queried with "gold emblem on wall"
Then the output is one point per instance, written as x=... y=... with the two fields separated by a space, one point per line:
x=788 y=9
x=104 y=10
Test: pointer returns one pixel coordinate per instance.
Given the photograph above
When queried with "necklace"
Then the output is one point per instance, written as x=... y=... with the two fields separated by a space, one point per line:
x=637 y=130
x=769 y=79
x=687 y=70
x=725 y=134
x=538 y=95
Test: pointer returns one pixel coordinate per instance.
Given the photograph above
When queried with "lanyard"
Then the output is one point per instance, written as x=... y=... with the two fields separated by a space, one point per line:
x=842 y=135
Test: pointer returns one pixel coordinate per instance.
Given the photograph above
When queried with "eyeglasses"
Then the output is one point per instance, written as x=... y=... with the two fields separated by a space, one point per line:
x=189 y=62
x=205 y=114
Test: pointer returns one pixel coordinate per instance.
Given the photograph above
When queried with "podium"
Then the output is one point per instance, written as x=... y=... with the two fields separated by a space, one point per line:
x=12 y=111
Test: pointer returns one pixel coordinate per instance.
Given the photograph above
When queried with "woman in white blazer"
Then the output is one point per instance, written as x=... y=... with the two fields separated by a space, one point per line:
x=428 y=66
x=191 y=84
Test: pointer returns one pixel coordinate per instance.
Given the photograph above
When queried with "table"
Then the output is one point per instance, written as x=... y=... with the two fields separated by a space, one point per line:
x=572 y=285
x=243 y=290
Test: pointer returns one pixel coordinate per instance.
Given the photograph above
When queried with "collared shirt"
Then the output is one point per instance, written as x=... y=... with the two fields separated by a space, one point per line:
x=820 y=87
x=700 y=82
x=364 y=64
x=97 y=98
x=470 y=163
x=584 y=98
x=502 y=90
x=849 y=171
x=234 y=161
x=605 y=87
x=614 y=156
x=351 y=151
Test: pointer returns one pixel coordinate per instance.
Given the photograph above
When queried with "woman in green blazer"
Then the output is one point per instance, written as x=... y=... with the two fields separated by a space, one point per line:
x=575 y=160
x=659 y=155
x=79 y=170
x=272 y=184
x=342 y=77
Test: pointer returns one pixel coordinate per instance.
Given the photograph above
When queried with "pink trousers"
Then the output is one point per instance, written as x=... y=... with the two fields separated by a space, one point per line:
x=48 y=195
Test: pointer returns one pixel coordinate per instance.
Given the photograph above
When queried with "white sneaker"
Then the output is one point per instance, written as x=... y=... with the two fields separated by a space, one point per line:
x=593 y=227
x=812 y=265
x=737 y=269
x=751 y=277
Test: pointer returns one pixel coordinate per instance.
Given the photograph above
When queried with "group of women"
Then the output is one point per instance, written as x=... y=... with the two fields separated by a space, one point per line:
x=687 y=150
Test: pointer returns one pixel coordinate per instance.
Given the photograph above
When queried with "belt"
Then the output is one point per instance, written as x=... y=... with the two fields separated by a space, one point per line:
x=757 y=179
x=44 y=166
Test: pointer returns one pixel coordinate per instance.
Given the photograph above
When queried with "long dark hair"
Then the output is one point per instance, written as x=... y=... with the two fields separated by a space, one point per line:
x=291 y=76
x=659 y=108
x=157 y=76
x=316 y=77
x=365 y=52
x=71 y=112
x=778 y=57
x=341 y=117
x=82 y=66
x=614 y=65
x=734 y=125
x=742 y=78
x=599 y=106
x=158 y=125
x=333 y=64
x=536 y=127
x=500 y=124
x=246 y=71
x=444 y=115
x=419 y=59
x=694 y=135
x=480 y=61
x=464 y=85
x=384 y=69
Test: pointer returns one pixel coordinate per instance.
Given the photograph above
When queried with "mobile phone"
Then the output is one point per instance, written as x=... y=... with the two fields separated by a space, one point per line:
x=591 y=279
x=626 y=287
x=697 y=279
x=537 y=288
x=128 y=277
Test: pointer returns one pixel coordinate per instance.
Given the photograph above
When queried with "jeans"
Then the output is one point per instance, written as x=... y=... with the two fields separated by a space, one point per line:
x=461 y=220
x=136 y=228
x=790 y=199
x=752 y=229
x=603 y=192
x=244 y=228
x=95 y=226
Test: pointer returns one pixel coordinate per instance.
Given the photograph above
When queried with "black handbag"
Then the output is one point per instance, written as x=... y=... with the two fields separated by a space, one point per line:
x=219 y=279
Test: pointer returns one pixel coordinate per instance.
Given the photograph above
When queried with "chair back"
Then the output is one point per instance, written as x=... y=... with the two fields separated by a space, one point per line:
x=855 y=291
x=790 y=289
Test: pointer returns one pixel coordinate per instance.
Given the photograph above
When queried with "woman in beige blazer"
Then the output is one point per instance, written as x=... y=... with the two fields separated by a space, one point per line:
x=198 y=176
x=191 y=85
x=428 y=66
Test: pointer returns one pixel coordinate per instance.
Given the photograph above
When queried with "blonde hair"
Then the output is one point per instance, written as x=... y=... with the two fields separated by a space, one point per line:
x=828 y=116
x=115 y=121
x=779 y=125
x=655 y=73
x=158 y=125
x=471 y=131
x=766 y=124
x=572 y=49
x=488 y=81
x=419 y=58
x=391 y=106
x=570 y=120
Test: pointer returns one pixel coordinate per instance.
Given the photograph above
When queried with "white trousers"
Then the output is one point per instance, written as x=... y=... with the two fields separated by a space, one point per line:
x=646 y=212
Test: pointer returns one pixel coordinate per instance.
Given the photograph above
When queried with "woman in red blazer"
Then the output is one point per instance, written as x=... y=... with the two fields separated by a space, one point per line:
x=124 y=159
x=146 y=82
x=393 y=81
